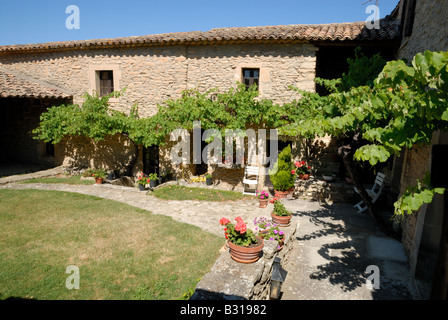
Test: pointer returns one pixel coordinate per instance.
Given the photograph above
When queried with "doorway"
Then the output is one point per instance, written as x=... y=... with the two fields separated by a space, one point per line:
x=151 y=160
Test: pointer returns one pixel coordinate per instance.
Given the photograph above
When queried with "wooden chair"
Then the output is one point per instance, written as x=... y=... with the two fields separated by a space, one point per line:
x=250 y=180
x=373 y=192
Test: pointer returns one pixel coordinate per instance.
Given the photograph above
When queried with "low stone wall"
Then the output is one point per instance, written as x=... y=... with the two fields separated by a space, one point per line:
x=230 y=280
x=323 y=191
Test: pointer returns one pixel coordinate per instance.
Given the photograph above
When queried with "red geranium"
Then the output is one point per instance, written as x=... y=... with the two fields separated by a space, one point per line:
x=238 y=234
x=302 y=168
x=224 y=221
x=241 y=227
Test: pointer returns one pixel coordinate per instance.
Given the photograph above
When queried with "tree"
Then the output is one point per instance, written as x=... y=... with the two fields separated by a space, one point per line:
x=94 y=120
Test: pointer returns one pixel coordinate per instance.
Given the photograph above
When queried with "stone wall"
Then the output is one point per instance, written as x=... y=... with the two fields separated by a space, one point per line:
x=230 y=280
x=326 y=192
x=430 y=32
x=153 y=75
x=113 y=153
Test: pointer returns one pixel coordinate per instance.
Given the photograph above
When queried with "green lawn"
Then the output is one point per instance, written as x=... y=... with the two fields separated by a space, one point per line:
x=186 y=193
x=122 y=252
x=61 y=179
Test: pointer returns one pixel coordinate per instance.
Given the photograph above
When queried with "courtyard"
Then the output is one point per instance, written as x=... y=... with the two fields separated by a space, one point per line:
x=332 y=247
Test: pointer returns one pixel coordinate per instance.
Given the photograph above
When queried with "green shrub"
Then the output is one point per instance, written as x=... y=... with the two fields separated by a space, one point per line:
x=283 y=179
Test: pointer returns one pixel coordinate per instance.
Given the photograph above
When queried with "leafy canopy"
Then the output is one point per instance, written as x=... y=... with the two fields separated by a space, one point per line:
x=404 y=105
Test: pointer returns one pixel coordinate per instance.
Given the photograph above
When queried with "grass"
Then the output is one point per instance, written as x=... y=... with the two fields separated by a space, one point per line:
x=187 y=193
x=61 y=179
x=122 y=252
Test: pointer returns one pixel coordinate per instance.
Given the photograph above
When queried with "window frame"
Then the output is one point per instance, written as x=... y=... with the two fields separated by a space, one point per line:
x=94 y=77
x=251 y=79
x=102 y=81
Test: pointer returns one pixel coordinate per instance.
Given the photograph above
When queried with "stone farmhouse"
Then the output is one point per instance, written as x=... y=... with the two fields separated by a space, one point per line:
x=155 y=68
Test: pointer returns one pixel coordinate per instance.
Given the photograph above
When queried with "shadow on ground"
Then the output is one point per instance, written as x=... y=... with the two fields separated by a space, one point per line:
x=10 y=169
x=334 y=249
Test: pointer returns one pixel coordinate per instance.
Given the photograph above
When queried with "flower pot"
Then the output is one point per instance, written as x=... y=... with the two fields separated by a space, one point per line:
x=304 y=176
x=152 y=183
x=248 y=254
x=263 y=203
x=208 y=181
x=284 y=194
x=110 y=176
x=281 y=221
x=280 y=244
x=141 y=187
x=99 y=180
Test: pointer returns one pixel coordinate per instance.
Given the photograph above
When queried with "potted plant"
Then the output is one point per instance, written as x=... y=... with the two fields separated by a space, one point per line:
x=303 y=170
x=262 y=224
x=274 y=234
x=280 y=215
x=283 y=174
x=99 y=175
x=208 y=179
x=142 y=181
x=152 y=178
x=244 y=245
x=263 y=198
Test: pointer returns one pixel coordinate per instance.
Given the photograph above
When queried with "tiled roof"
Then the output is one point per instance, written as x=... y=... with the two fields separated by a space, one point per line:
x=354 y=31
x=17 y=86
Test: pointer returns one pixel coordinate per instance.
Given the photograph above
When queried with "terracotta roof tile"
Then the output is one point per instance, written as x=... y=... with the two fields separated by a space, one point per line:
x=18 y=86
x=354 y=31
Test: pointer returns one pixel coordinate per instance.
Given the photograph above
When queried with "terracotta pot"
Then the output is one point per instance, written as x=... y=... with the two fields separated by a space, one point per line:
x=99 y=180
x=281 y=246
x=304 y=176
x=284 y=194
x=263 y=203
x=281 y=221
x=249 y=254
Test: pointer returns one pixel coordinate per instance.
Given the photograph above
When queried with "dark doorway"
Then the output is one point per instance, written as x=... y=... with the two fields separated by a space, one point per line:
x=151 y=160
x=20 y=116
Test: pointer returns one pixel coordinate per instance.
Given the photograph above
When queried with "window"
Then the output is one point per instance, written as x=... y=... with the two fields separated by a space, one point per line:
x=106 y=82
x=104 y=79
x=250 y=77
